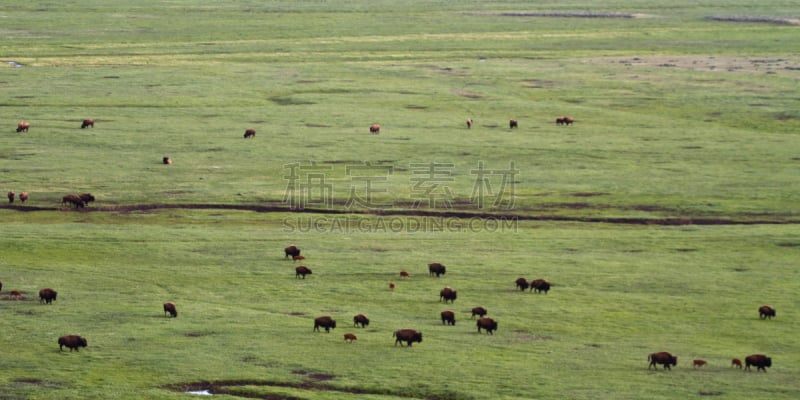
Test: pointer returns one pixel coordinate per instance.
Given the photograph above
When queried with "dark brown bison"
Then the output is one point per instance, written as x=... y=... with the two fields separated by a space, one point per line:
x=87 y=123
x=662 y=358
x=487 y=324
x=448 y=317
x=391 y=286
x=375 y=129
x=760 y=361
x=86 y=198
x=74 y=200
x=166 y=160
x=349 y=337
x=360 y=319
x=697 y=363
x=540 y=285
x=448 y=294
x=404 y=274
x=326 y=322
x=47 y=295
x=521 y=283
x=736 y=363
x=23 y=126
x=766 y=312
x=291 y=250
x=249 y=133
x=11 y=196
x=23 y=197
x=1 y=286
x=407 y=335
x=301 y=270
x=170 y=308
x=73 y=342
x=469 y=123
x=512 y=124
x=436 y=268
x=564 y=120
x=479 y=311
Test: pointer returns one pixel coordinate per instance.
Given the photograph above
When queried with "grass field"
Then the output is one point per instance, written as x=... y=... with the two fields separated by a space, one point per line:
x=664 y=217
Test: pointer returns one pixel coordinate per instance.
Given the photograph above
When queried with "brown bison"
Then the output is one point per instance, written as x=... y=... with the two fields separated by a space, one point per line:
x=11 y=196
x=404 y=274
x=521 y=283
x=479 y=311
x=166 y=160
x=766 y=312
x=697 y=363
x=349 y=337
x=391 y=286
x=512 y=124
x=540 y=285
x=73 y=199
x=447 y=294
x=16 y=294
x=23 y=197
x=407 y=335
x=86 y=198
x=47 y=295
x=301 y=270
x=170 y=308
x=736 y=363
x=662 y=358
x=23 y=126
x=291 y=250
x=87 y=123
x=564 y=120
x=448 y=317
x=469 y=123
x=249 y=133
x=360 y=319
x=326 y=322
x=436 y=268
x=487 y=324
x=298 y=258
x=375 y=129
x=73 y=342
x=760 y=361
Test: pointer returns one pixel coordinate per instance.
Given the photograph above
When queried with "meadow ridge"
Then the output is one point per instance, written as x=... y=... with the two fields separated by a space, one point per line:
x=664 y=216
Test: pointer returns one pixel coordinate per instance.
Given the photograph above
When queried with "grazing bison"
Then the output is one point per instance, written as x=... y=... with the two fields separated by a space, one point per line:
x=302 y=270
x=73 y=199
x=391 y=286
x=479 y=311
x=47 y=295
x=298 y=258
x=326 y=322
x=166 y=160
x=512 y=124
x=487 y=324
x=662 y=358
x=448 y=317
x=249 y=133
x=564 y=120
x=86 y=198
x=404 y=274
x=349 y=337
x=291 y=250
x=540 y=285
x=521 y=283
x=87 y=123
x=11 y=196
x=696 y=363
x=469 y=123
x=23 y=197
x=170 y=308
x=736 y=363
x=360 y=319
x=760 y=361
x=447 y=294
x=766 y=312
x=23 y=126
x=375 y=129
x=407 y=335
x=73 y=342
x=436 y=268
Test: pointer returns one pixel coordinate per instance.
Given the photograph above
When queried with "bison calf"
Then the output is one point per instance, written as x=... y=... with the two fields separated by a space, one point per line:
x=73 y=342
x=170 y=308
x=736 y=363
x=696 y=363
x=325 y=322
x=663 y=358
x=349 y=337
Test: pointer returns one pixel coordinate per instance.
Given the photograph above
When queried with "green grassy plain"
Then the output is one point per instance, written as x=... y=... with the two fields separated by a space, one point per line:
x=679 y=117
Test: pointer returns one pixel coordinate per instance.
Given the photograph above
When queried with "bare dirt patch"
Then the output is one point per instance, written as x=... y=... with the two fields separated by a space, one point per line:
x=755 y=19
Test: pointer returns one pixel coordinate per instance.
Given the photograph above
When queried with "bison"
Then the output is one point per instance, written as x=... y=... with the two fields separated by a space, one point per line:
x=73 y=199
x=291 y=250
x=436 y=268
x=166 y=160
x=298 y=258
x=404 y=274
x=540 y=285
x=87 y=123
x=448 y=317
x=86 y=198
x=766 y=312
x=469 y=123
x=407 y=335
x=488 y=324
x=23 y=197
x=249 y=133
x=564 y=120
x=512 y=124
x=391 y=286
x=170 y=308
x=47 y=295
x=736 y=363
x=447 y=294
x=360 y=319
x=375 y=129
x=326 y=322
x=349 y=337
x=302 y=270
x=697 y=363
x=662 y=358
x=760 y=361
x=23 y=126
x=479 y=311
x=73 y=342
x=11 y=196
x=16 y=294
x=521 y=283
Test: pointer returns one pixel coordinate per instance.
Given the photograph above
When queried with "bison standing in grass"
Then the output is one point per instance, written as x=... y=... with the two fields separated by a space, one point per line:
x=488 y=324
x=302 y=270
x=760 y=361
x=407 y=335
x=521 y=283
x=292 y=251
x=360 y=319
x=73 y=342
x=448 y=317
x=766 y=312
x=540 y=285
x=87 y=123
x=469 y=123
x=479 y=311
x=350 y=337
x=47 y=295
x=86 y=198
x=11 y=196
x=325 y=322
x=73 y=199
x=437 y=269
x=375 y=129
x=512 y=124
x=23 y=197
x=447 y=294
x=171 y=309
x=23 y=126
x=663 y=358
x=249 y=133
